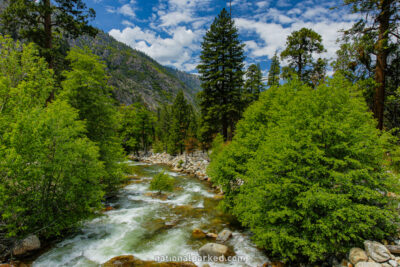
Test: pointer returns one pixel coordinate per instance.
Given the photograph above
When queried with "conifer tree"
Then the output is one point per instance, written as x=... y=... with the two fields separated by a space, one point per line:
x=40 y=21
x=274 y=71
x=300 y=47
x=378 y=31
x=221 y=70
x=179 y=125
x=254 y=85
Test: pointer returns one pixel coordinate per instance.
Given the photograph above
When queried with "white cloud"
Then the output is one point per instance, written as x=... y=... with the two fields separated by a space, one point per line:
x=176 y=51
x=127 y=23
x=125 y=10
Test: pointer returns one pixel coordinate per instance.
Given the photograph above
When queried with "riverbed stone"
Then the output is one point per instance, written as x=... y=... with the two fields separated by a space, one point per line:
x=26 y=245
x=377 y=251
x=198 y=233
x=368 y=264
x=393 y=263
x=357 y=255
x=211 y=235
x=224 y=236
x=131 y=261
x=214 y=250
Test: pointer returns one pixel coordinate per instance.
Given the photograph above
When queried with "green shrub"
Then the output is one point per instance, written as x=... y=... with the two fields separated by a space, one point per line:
x=180 y=163
x=305 y=172
x=162 y=182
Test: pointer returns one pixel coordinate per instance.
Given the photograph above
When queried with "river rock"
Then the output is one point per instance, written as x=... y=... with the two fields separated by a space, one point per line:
x=368 y=264
x=393 y=263
x=211 y=235
x=30 y=243
x=377 y=251
x=224 y=236
x=198 y=233
x=357 y=255
x=214 y=250
x=131 y=261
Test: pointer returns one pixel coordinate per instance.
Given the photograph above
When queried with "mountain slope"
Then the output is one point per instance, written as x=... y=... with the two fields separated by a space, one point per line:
x=136 y=76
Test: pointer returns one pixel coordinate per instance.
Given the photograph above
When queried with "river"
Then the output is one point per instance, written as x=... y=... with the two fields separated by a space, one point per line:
x=144 y=226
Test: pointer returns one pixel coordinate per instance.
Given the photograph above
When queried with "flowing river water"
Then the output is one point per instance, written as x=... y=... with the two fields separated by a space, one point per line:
x=146 y=226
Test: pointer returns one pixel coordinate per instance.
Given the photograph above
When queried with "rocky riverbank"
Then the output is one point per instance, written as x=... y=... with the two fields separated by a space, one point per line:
x=194 y=163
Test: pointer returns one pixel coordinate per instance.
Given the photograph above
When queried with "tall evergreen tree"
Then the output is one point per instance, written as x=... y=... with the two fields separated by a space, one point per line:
x=300 y=47
x=221 y=70
x=179 y=125
x=253 y=85
x=43 y=21
x=274 y=71
x=380 y=24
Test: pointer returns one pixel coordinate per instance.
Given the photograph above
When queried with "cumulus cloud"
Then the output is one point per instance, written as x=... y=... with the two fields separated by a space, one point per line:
x=173 y=31
x=176 y=51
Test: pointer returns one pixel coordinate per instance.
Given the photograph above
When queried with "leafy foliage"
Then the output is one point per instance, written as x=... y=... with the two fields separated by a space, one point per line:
x=50 y=172
x=305 y=172
x=137 y=131
x=85 y=87
x=49 y=169
x=162 y=182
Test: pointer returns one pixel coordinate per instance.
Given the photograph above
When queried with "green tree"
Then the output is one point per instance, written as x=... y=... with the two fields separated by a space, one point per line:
x=25 y=80
x=378 y=28
x=40 y=21
x=163 y=125
x=85 y=87
x=221 y=71
x=137 y=129
x=50 y=172
x=162 y=182
x=300 y=47
x=274 y=71
x=305 y=172
x=253 y=85
x=181 y=115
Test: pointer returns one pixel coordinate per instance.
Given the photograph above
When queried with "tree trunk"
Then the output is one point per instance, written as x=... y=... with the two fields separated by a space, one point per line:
x=48 y=42
x=381 y=61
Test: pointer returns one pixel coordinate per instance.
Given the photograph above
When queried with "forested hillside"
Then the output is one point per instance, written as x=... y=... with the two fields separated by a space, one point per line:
x=136 y=76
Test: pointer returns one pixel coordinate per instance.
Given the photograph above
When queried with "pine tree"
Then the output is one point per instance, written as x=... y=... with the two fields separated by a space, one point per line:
x=300 y=47
x=274 y=71
x=253 y=85
x=378 y=27
x=41 y=21
x=179 y=124
x=221 y=70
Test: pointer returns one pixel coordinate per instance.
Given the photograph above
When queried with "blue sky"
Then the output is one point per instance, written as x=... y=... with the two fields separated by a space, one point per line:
x=171 y=31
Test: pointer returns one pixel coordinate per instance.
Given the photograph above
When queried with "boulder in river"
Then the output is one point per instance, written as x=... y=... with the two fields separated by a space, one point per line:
x=356 y=255
x=214 y=250
x=198 y=233
x=211 y=235
x=26 y=245
x=131 y=261
x=377 y=251
x=224 y=236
